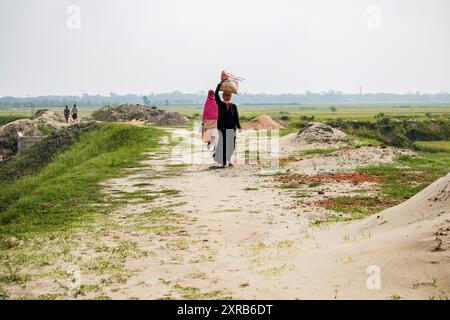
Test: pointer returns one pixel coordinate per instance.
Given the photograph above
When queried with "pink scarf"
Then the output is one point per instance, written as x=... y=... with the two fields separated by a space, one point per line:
x=210 y=112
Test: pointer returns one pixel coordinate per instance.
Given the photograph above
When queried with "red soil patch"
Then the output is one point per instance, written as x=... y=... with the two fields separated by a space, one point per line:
x=350 y=203
x=355 y=178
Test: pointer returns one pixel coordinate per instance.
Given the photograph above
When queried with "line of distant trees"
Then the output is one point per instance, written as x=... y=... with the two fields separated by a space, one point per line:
x=178 y=98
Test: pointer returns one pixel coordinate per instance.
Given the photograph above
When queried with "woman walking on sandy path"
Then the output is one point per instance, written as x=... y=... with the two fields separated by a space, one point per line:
x=227 y=123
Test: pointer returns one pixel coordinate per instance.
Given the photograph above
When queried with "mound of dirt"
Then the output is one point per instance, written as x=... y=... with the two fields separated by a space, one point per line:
x=43 y=152
x=168 y=119
x=316 y=136
x=130 y=112
x=322 y=133
x=8 y=135
x=124 y=112
x=50 y=119
x=431 y=202
x=262 y=122
x=39 y=112
x=342 y=159
x=410 y=242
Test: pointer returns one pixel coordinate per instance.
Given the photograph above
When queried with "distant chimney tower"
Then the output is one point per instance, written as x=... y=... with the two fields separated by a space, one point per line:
x=360 y=90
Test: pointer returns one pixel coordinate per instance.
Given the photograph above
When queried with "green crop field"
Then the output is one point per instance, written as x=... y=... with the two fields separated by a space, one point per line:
x=331 y=111
x=320 y=111
x=433 y=146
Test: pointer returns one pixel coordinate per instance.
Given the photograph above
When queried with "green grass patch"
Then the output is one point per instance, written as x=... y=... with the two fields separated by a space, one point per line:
x=367 y=142
x=286 y=131
x=168 y=192
x=158 y=214
x=362 y=205
x=142 y=185
x=353 y=208
x=400 y=131
x=192 y=293
x=400 y=181
x=409 y=175
x=32 y=160
x=319 y=151
x=289 y=186
x=68 y=188
x=433 y=146
x=4 y=119
x=314 y=184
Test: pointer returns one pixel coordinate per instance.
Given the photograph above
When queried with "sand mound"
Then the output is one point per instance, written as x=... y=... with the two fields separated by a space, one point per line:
x=409 y=242
x=262 y=122
x=423 y=222
x=27 y=127
x=316 y=136
x=419 y=216
x=48 y=116
x=130 y=112
x=343 y=159
x=42 y=119
x=168 y=119
x=50 y=119
x=339 y=151
x=443 y=194
x=124 y=112
x=322 y=133
x=431 y=202
x=39 y=112
x=8 y=135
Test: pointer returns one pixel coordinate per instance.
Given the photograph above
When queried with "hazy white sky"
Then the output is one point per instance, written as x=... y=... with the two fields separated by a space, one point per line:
x=143 y=46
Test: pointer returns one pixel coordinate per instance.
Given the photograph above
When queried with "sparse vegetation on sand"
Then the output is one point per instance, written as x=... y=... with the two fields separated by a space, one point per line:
x=397 y=182
x=409 y=175
x=153 y=229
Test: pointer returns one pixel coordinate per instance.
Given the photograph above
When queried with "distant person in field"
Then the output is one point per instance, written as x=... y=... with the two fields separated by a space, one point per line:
x=67 y=113
x=227 y=123
x=75 y=113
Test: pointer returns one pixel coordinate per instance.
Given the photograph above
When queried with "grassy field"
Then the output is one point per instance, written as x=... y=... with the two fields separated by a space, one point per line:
x=296 y=116
x=52 y=196
x=357 y=111
x=6 y=118
x=102 y=153
x=409 y=175
x=320 y=111
x=433 y=146
x=27 y=112
x=397 y=125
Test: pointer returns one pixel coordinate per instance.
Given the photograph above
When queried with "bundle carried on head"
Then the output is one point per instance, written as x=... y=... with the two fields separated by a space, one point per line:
x=230 y=82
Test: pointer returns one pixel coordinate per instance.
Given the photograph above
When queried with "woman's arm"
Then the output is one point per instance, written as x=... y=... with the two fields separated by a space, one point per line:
x=236 y=118
x=216 y=94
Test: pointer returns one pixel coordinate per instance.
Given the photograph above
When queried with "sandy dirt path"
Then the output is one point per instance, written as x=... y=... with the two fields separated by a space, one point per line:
x=234 y=229
x=237 y=235
x=202 y=232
